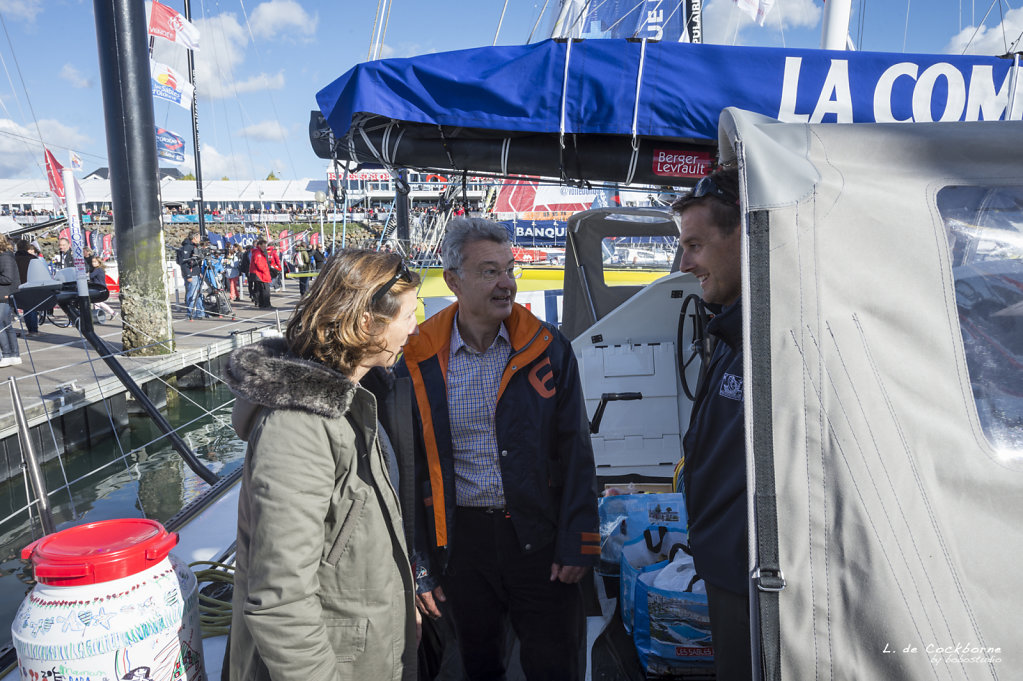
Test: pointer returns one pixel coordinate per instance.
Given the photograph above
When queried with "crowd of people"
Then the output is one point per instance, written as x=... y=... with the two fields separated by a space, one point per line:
x=258 y=268
x=15 y=260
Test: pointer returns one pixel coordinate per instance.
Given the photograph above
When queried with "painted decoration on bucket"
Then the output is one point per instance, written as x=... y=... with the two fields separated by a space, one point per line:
x=140 y=627
x=110 y=604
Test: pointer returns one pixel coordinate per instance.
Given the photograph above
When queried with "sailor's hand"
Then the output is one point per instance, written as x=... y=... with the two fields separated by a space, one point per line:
x=419 y=627
x=568 y=574
x=427 y=602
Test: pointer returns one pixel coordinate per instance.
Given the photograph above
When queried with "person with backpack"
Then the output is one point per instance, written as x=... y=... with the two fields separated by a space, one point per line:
x=234 y=259
x=189 y=261
x=301 y=261
x=244 y=265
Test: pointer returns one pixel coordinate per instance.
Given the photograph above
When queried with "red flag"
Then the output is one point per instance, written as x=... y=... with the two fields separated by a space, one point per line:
x=167 y=23
x=54 y=174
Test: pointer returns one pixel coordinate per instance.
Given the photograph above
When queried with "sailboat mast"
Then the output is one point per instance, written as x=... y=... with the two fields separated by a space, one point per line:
x=134 y=185
x=195 y=132
x=835 y=27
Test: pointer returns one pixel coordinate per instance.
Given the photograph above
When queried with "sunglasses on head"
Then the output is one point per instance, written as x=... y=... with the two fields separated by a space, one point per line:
x=707 y=187
x=402 y=273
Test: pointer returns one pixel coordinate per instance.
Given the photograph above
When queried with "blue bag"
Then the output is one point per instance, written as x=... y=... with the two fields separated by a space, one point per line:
x=672 y=620
x=647 y=552
x=623 y=518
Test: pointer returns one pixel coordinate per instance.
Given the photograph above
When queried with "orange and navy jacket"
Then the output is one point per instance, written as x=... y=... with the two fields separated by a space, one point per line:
x=550 y=484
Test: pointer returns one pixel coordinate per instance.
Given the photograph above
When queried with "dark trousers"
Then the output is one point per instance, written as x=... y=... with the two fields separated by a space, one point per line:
x=489 y=578
x=729 y=627
x=261 y=291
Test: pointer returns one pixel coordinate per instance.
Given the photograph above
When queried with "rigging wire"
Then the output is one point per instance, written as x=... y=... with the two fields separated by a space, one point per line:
x=373 y=33
x=537 y=23
x=500 y=22
x=28 y=98
x=905 y=33
x=862 y=23
x=273 y=100
x=979 y=26
x=1001 y=22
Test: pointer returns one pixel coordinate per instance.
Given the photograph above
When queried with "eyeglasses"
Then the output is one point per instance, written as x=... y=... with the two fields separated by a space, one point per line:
x=492 y=273
x=402 y=273
x=707 y=187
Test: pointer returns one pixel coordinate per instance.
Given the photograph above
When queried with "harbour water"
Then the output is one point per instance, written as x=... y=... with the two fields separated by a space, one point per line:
x=136 y=474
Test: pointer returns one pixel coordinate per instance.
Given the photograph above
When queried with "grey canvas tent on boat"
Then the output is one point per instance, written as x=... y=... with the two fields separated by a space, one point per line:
x=884 y=396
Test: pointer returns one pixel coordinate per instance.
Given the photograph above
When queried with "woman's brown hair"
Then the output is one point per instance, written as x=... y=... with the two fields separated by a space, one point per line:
x=327 y=326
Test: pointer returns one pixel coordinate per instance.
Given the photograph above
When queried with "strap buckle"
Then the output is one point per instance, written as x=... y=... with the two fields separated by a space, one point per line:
x=770 y=580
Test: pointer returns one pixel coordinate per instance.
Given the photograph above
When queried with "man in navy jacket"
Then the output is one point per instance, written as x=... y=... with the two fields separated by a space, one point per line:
x=507 y=514
x=714 y=472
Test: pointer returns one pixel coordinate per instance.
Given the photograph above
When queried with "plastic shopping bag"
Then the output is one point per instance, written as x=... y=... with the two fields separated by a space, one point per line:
x=623 y=518
x=647 y=552
x=672 y=621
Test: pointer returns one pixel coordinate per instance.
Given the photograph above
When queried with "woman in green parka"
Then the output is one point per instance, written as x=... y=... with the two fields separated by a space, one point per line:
x=323 y=587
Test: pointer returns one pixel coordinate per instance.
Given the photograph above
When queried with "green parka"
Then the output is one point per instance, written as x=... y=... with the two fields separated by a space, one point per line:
x=323 y=587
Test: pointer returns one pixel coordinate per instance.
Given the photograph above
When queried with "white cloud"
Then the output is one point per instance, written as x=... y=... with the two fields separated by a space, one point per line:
x=224 y=41
x=404 y=50
x=989 y=40
x=22 y=9
x=216 y=165
x=284 y=18
x=726 y=24
x=21 y=154
x=266 y=131
x=76 y=78
x=259 y=83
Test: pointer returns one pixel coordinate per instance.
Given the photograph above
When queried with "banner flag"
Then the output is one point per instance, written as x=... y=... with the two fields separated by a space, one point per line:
x=170 y=146
x=76 y=161
x=166 y=23
x=168 y=84
x=756 y=9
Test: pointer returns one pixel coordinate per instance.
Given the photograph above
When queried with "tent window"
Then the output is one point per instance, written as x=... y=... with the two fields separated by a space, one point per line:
x=985 y=235
x=635 y=253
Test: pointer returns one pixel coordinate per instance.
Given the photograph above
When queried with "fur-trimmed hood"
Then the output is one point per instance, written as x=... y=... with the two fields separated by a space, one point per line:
x=266 y=374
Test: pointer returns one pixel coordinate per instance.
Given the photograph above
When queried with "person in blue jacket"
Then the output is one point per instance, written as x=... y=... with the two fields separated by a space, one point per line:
x=507 y=497
x=714 y=469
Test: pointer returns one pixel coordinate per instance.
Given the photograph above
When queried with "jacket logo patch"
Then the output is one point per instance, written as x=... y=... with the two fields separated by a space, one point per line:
x=731 y=387
x=540 y=377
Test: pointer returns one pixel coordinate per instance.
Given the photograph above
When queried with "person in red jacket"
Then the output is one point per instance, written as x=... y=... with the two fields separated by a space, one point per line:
x=274 y=259
x=259 y=272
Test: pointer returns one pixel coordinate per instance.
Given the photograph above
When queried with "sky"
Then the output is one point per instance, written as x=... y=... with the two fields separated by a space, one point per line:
x=261 y=63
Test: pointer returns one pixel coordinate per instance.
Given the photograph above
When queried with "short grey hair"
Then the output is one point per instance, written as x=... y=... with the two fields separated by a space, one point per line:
x=463 y=231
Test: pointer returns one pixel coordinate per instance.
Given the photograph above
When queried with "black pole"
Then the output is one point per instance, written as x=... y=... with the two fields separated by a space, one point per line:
x=180 y=446
x=195 y=132
x=134 y=184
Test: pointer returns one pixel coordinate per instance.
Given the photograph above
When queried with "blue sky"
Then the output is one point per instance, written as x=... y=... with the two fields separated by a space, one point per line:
x=261 y=63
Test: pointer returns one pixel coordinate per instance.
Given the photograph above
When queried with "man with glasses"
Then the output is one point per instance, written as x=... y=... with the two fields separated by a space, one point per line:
x=507 y=519
x=714 y=473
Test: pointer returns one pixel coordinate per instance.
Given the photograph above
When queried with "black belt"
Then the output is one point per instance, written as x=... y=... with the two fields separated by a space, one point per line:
x=488 y=510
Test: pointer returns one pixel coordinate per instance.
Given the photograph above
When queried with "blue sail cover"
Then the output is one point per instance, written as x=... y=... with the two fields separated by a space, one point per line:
x=682 y=88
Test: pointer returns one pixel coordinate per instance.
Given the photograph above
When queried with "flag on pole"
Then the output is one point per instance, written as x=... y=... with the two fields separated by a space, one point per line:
x=54 y=173
x=756 y=9
x=170 y=85
x=76 y=161
x=166 y=23
x=170 y=146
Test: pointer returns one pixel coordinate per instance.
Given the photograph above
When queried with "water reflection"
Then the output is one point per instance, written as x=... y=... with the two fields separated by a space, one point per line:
x=152 y=481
